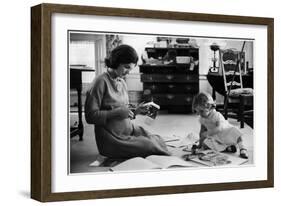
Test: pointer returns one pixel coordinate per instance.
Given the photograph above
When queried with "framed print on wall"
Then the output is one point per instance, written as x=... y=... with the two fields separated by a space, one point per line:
x=173 y=56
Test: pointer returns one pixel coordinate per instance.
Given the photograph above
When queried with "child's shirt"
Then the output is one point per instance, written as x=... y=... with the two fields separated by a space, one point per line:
x=213 y=120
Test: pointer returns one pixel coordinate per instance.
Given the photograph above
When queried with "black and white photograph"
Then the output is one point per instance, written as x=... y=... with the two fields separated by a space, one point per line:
x=149 y=102
x=130 y=102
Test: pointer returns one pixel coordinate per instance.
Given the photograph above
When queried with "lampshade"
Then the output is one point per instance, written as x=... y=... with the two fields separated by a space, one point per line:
x=220 y=42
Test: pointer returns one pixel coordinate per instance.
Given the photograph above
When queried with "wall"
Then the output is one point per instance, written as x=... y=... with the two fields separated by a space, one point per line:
x=15 y=103
x=87 y=49
x=133 y=79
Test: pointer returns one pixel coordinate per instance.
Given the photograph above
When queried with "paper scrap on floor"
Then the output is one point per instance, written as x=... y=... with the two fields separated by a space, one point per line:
x=99 y=160
x=177 y=141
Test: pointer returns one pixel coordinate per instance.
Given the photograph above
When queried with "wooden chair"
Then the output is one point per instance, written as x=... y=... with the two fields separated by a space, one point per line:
x=238 y=101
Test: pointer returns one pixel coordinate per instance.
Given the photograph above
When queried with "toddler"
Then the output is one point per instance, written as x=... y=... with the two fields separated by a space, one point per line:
x=216 y=132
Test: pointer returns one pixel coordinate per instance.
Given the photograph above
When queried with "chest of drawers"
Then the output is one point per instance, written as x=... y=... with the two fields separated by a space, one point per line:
x=172 y=85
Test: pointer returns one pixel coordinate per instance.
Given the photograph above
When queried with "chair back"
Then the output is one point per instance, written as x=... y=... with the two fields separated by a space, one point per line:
x=231 y=69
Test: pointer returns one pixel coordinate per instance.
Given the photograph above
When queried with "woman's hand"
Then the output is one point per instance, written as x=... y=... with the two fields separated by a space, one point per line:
x=141 y=109
x=122 y=112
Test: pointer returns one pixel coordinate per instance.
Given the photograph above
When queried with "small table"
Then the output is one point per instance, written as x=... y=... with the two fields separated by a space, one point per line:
x=76 y=83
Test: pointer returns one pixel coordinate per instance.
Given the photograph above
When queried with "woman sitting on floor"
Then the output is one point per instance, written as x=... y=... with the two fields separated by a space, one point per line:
x=106 y=107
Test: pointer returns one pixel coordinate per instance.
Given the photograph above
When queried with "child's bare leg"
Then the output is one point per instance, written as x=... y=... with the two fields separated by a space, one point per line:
x=202 y=138
x=243 y=150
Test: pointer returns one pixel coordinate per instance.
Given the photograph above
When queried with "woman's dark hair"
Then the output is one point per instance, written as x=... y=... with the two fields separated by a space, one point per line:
x=123 y=54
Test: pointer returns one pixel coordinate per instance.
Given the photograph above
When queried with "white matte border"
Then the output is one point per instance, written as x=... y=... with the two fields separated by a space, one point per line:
x=62 y=182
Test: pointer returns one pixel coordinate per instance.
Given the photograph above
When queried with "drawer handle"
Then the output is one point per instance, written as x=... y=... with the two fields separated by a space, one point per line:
x=170 y=96
x=188 y=99
x=169 y=77
x=171 y=86
x=147 y=92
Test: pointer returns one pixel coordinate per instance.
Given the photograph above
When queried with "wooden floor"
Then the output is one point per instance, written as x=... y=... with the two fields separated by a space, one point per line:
x=82 y=153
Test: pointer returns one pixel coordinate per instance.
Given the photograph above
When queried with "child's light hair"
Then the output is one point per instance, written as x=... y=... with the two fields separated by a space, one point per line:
x=204 y=100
